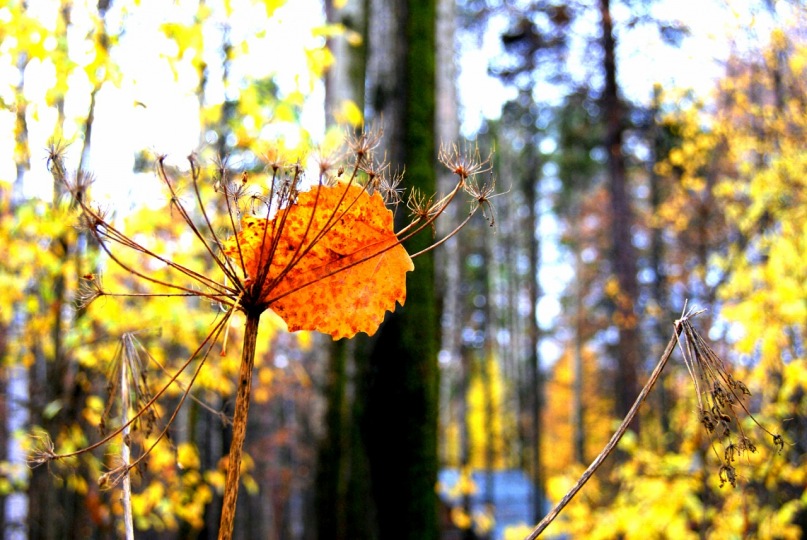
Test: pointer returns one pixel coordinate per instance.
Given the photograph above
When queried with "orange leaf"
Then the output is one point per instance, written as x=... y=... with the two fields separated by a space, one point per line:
x=336 y=265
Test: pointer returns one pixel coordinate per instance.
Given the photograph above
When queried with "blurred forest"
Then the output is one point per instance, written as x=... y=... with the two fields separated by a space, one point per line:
x=524 y=339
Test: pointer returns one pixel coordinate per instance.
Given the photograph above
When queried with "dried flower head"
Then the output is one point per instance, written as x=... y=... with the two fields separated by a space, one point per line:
x=720 y=398
x=90 y=288
x=363 y=144
x=464 y=163
x=42 y=451
x=482 y=194
x=389 y=188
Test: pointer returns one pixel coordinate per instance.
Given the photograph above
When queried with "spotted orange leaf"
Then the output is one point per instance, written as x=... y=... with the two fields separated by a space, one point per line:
x=329 y=262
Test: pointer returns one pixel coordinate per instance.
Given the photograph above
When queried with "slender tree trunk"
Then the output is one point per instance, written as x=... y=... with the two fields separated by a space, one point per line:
x=22 y=152
x=345 y=79
x=331 y=485
x=578 y=411
x=4 y=412
x=16 y=505
x=656 y=260
x=339 y=483
x=400 y=422
x=623 y=253
x=486 y=364
x=465 y=438
x=448 y=258
x=530 y=188
x=59 y=512
x=210 y=434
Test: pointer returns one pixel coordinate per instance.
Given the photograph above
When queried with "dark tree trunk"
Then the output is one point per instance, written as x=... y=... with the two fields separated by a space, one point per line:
x=331 y=486
x=657 y=257
x=623 y=253
x=578 y=408
x=399 y=369
x=340 y=488
x=530 y=189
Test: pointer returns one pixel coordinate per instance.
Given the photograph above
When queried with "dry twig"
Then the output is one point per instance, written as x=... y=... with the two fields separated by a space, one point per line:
x=703 y=365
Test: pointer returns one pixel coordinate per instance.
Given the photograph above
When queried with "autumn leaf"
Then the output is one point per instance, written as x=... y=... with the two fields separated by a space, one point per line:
x=330 y=262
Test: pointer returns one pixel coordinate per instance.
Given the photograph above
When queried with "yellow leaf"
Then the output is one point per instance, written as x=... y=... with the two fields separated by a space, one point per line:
x=187 y=456
x=272 y=5
x=349 y=113
x=460 y=518
x=319 y=60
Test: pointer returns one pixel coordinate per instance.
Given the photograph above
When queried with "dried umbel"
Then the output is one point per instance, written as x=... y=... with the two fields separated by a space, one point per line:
x=322 y=253
x=720 y=398
x=290 y=235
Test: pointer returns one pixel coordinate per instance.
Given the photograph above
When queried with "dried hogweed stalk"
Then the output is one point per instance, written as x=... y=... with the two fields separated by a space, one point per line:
x=718 y=395
x=322 y=254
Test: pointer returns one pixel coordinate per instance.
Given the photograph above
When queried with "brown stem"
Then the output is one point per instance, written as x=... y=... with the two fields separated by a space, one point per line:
x=239 y=426
x=623 y=427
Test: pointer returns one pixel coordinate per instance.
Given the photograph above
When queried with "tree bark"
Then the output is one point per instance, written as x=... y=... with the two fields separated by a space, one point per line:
x=657 y=257
x=340 y=483
x=578 y=409
x=400 y=375
x=530 y=188
x=623 y=253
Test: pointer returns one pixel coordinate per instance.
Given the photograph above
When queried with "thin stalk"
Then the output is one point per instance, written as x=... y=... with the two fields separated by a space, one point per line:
x=623 y=427
x=125 y=453
x=239 y=425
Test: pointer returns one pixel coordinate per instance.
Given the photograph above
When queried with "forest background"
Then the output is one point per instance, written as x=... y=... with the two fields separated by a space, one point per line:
x=621 y=200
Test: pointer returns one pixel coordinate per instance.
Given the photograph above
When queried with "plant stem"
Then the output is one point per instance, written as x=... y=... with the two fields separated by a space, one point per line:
x=623 y=427
x=125 y=453
x=239 y=426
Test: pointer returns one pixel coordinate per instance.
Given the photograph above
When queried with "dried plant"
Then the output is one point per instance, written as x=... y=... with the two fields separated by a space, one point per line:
x=718 y=399
x=304 y=249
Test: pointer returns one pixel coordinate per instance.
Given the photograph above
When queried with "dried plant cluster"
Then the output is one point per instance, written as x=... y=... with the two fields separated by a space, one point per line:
x=267 y=244
x=237 y=197
x=720 y=396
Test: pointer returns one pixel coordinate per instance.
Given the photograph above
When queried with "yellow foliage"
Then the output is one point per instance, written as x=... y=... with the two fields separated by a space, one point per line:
x=271 y=6
x=517 y=532
x=215 y=479
x=678 y=494
x=39 y=249
x=611 y=287
x=484 y=521
x=465 y=485
x=556 y=451
x=460 y=518
x=349 y=113
x=489 y=420
x=262 y=391
x=93 y=408
x=319 y=60
x=187 y=456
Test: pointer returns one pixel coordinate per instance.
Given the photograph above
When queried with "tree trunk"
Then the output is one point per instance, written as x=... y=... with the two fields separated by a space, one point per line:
x=345 y=79
x=578 y=410
x=400 y=375
x=339 y=481
x=656 y=259
x=623 y=253
x=448 y=258
x=529 y=186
